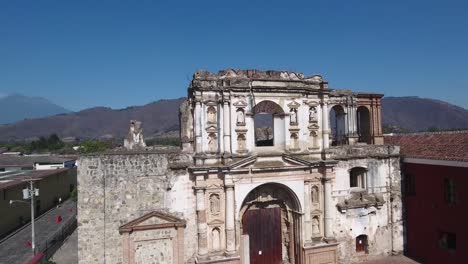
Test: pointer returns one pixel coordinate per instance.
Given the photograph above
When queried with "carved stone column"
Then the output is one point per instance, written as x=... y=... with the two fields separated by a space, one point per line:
x=201 y=222
x=328 y=207
x=230 y=219
x=227 y=126
x=325 y=126
x=378 y=136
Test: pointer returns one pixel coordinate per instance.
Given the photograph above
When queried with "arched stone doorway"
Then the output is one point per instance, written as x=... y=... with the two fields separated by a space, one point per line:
x=268 y=123
x=338 y=125
x=363 y=124
x=272 y=220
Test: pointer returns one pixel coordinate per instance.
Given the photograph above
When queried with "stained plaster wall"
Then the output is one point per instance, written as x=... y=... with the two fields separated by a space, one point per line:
x=383 y=225
x=115 y=189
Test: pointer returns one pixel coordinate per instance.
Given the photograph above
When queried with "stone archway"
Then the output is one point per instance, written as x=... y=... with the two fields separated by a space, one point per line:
x=363 y=124
x=271 y=219
x=338 y=125
x=268 y=123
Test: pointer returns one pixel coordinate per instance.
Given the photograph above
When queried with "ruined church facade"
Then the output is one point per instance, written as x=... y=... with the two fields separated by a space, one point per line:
x=274 y=167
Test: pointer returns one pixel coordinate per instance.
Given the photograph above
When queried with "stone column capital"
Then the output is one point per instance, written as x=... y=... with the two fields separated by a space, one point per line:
x=199 y=188
x=327 y=179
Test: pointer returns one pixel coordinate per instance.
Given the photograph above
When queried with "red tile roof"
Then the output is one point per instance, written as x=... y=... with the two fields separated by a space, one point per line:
x=437 y=145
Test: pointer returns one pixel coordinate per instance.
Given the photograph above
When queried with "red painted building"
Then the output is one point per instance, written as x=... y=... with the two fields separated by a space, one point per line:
x=435 y=195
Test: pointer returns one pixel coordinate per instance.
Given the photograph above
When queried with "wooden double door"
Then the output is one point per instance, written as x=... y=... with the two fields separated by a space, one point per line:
x=264 y=229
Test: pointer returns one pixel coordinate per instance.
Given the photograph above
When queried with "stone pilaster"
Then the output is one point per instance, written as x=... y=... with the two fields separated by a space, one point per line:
x=307 y=216
x=230 y=228
x=227 y=126
x=201 y=222
x=329 y=209
x=198 y=125
x=325 y=126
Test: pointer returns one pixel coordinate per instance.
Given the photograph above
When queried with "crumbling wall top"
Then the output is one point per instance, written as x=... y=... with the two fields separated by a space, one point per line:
x=256 y=75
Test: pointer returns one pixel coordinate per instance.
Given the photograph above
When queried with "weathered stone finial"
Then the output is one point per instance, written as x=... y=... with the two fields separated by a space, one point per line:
x=134 y=138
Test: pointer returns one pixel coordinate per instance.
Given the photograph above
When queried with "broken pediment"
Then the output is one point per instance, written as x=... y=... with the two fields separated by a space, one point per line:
x=294 y=104
x=259 y=162
x=240 y=103
x=211 y=129
x=153 y=220
x=216 y=222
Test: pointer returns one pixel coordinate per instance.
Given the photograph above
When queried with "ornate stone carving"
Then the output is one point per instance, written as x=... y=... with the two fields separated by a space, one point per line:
x=315 y=194
x=134 y=138
x=313 y=118
x=240 y=117
x=212 y=143
x=294 y=104
x=214 y=204
x=241 y=143
x=361 y=200
x=215 y=239
x=315 y=226
x=293 y=117
x=294 y=142
x=211 y=113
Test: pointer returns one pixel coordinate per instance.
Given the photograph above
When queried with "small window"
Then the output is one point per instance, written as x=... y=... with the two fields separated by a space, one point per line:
x=448 y=241
x=410 y=184
x=357 y=178
x=361 y=244
x=2 y=169
x=449 y=191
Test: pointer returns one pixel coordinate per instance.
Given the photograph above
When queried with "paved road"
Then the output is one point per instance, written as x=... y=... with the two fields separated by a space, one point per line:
x=14 y=250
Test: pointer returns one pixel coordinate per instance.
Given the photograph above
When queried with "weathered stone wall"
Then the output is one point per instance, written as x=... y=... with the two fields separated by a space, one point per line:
x=115 y=189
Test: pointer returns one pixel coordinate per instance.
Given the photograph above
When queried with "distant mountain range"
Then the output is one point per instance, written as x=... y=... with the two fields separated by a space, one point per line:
x=419 y=114
x=161 y=118
x=16 y=107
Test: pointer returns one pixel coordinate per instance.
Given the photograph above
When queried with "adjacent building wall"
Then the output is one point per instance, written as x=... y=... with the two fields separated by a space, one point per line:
x=427 y=214
x=51 y=188
x=115 y=189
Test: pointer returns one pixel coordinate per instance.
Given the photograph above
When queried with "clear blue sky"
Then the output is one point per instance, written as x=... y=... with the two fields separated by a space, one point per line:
x=119 y=53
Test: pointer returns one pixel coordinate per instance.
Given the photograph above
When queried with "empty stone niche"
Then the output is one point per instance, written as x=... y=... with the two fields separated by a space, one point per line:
x=156 y=237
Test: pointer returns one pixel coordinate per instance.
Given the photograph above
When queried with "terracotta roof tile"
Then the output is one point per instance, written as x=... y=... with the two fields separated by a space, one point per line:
x=438 y=145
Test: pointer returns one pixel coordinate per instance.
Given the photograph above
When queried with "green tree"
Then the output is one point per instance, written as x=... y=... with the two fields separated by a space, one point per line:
x=93 y=146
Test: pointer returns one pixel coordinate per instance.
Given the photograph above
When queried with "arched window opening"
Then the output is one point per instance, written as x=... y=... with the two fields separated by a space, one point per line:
x=337 y=125
x=265 y=115
x=264 y=129
x=361 y=244
x=357 y=178
x=363 y=124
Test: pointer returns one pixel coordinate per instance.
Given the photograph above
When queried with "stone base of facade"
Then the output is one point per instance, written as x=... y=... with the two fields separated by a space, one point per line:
x=321 y=254
x=223 y=260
